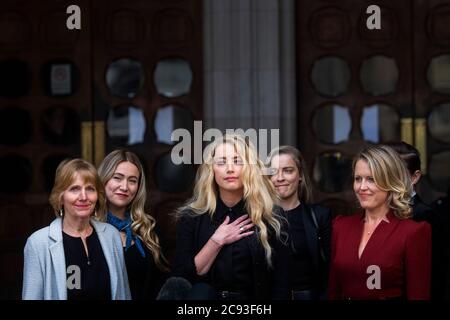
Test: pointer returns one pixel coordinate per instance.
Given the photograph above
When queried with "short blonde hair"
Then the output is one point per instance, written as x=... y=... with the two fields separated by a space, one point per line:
x=390 y=175
x=64 y=177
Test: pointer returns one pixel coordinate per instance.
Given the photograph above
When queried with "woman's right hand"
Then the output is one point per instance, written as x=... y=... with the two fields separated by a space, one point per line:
x=228 y=233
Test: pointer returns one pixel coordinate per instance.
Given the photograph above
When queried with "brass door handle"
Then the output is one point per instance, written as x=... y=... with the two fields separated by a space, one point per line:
x=414 y=132
x=93 y=141
x=407 y=134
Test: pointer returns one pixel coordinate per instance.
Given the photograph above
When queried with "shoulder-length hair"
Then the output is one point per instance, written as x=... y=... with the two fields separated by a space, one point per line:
x=304 y=191
x=143 y=224
x=64 y=177
x=258 y=192
x=391 y=175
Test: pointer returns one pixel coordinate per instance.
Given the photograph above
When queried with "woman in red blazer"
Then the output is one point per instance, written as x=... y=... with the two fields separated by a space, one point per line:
x=380 y=253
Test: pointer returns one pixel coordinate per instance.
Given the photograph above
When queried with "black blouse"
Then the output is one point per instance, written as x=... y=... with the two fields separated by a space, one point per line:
x=240 y=266
x=232 y=268
x=94 y=272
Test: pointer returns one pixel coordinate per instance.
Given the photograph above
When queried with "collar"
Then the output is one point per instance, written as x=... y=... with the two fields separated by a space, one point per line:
x=55 y=228
x=300 y=207
x=222 y=210
x=415 y=199
x=389 y=216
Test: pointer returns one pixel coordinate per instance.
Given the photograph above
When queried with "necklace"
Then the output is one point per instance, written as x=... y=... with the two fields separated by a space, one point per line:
x=72 y=231
x=371 y=231
x=83 y=235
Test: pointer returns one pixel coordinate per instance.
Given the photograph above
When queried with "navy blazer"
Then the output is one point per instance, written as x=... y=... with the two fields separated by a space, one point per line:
x=194 y=230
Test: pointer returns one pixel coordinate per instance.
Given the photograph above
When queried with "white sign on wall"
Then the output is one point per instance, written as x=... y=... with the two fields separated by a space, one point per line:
x=60 y=79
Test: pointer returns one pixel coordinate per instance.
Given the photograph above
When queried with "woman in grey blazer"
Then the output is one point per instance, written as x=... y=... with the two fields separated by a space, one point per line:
x=76 y=257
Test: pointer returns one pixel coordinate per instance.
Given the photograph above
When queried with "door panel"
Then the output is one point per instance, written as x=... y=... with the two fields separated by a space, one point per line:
x=44 y=98
x=392 y=83
x=354 y=88
x=148 y=82
x=61 y=95
x=432 y=95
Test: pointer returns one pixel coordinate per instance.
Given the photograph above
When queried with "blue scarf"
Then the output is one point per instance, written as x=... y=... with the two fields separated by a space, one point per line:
x=125 y=225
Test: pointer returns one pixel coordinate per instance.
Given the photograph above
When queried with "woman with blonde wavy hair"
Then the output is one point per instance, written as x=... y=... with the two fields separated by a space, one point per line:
x=123 y=176
x=230 y=234
x=381 y=253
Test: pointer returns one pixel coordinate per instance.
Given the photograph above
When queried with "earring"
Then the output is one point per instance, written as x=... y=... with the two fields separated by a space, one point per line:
x=61 y=212
x=95 y=213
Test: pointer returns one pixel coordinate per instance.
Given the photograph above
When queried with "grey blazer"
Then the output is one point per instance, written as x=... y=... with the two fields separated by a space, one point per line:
x=44 y=273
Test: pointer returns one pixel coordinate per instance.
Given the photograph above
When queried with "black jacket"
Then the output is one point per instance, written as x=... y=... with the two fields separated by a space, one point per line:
x=144 y=276
x=422 y=212
x=193 y=231
x=441 y=208
x=318 y=236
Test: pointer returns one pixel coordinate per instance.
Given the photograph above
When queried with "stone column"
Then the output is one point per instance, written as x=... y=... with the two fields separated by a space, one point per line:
x=249 y=66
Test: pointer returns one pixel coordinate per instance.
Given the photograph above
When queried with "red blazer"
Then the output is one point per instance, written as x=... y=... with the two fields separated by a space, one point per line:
x=400 y=248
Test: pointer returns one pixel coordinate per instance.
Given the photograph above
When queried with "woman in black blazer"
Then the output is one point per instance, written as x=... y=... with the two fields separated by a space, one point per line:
x=309 y=224
x=229 y=235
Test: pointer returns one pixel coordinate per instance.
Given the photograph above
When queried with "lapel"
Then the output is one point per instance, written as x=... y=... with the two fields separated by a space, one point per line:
x=109 y=251
x=415 y=200
x=311 y=232
x=381 y=234
x=419 y=212
x=256 y=250
x=58 y=258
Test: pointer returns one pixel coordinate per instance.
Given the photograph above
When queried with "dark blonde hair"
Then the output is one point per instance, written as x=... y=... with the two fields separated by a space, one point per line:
x=390 y=175
x=305 y=193
x=64 y=177
x=143 y=224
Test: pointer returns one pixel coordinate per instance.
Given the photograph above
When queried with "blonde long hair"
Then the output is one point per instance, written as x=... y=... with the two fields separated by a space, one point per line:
x=390 y=175
x=259 y=194
x=143 y=224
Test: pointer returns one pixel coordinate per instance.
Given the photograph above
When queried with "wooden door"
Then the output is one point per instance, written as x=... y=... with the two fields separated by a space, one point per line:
x=45 y=96
x=147 y=82
x=82 y=93
x=432 y=95
x=354 y=87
